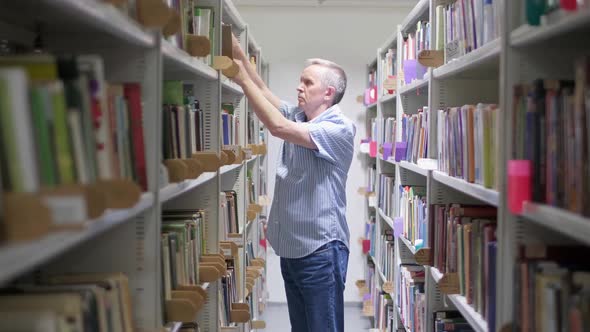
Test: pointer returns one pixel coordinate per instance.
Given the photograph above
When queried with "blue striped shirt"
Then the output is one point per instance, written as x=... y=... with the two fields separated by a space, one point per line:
x=309 y=204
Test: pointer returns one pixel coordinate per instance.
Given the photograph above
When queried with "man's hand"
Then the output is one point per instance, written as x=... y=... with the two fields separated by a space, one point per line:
x=238 y=52
x=242 y=74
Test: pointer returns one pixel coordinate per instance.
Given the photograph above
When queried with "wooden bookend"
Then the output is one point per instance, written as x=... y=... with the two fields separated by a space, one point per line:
x=120 y=193
x=258 y=324
x=26 y=217
x=236 y=238
x=199 y=46
x=212 y=259
x=180 y=310
x=194 y=288
x=227 y=65
x=231 y=157
x=237 y=152
x=449 y=284
x=231 y=246
x=255 y=207
x=153 y=13
x=431 y=58
x=96 y=201
x=94 y=197
x=223 y=158
x=257 y=262
x=239 y=313
x=173 y=25
x=254 y=148
x=177 y=170
x=194 y=168
x=251 y=274
x=251 y=215
x=71 y=202
x=209 y=160
x=220 y=266
x=208 y=273
x=226 y=41
x=423 y=256
x=388 y=287
x=195 y=298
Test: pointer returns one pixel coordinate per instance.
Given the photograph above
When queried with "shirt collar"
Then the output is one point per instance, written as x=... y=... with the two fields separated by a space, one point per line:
x=300 y=114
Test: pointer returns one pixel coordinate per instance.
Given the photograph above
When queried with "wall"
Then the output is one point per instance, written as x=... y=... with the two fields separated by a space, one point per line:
x=350 y=37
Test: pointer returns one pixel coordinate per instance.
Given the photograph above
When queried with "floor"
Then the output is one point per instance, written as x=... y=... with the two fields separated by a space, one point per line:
x=276 y=316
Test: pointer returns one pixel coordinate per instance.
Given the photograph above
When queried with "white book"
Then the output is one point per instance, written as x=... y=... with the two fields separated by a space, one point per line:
x=93 y=67
x=17 y=86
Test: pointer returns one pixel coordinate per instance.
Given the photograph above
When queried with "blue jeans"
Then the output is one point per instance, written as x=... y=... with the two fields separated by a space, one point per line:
x=315 y=289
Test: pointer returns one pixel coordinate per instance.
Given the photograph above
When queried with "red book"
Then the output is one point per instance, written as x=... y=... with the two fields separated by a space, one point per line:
x=133 y=95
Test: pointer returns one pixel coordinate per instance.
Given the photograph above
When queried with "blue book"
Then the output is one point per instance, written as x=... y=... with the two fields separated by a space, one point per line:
x=491 y=298
x=225 y=125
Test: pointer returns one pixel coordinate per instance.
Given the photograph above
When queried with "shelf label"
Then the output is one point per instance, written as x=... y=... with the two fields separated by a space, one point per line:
x=449 y=284
x=422 y=256
x=431 y=58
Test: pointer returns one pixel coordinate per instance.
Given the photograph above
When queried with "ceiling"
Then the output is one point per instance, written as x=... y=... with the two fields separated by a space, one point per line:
x=327 y=3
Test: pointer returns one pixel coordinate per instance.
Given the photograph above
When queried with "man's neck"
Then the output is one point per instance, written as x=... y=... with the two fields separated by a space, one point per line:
x=315 y=113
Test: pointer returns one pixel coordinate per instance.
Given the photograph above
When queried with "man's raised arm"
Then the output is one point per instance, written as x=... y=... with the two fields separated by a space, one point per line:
x=239 y=54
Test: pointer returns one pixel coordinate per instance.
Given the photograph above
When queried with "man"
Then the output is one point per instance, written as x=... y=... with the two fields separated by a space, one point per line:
x=307 y=224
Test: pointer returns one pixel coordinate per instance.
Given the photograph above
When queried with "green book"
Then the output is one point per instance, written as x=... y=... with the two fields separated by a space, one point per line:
x=63 y=149
x=39 y=96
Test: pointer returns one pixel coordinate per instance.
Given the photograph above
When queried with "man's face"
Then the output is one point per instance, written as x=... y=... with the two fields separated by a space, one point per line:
x=310 y=92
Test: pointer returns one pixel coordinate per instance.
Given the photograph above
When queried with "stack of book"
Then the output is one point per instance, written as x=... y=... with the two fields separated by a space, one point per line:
x=415 y=134
x=195 y=20
x=386 y=254
x=463 y=243
x=553 y=288
x=411 y=298
x=70 y=302
x=384 y=314
x=552 y=127
x=183 y=243
x=230 y=124
x=388 y=65
x=183 y=125
x=386 y=194
x=466 y=25
x=229 y=213
x=467 y=143
x=414 y=212
x=413 y=44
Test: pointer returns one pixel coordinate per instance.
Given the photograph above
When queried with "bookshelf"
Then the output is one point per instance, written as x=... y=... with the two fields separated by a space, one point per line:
x=128 y=240
x=516 y=53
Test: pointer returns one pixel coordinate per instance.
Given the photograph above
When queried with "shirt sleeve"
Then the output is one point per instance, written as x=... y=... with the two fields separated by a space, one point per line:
x=286 y=109
x=334 y=139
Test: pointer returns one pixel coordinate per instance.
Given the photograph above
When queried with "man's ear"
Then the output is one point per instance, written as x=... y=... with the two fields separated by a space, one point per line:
x=330 y=93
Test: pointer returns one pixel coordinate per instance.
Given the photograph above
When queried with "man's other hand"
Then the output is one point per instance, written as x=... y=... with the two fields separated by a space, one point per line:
x=237 y=48
x=242 y=74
